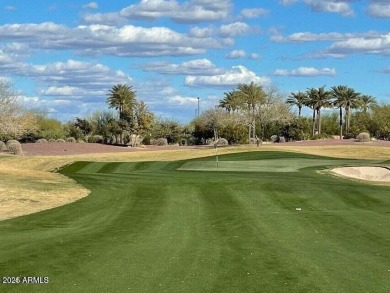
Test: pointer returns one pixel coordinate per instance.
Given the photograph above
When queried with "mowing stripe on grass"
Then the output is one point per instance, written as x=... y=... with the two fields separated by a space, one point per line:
x=148 y=227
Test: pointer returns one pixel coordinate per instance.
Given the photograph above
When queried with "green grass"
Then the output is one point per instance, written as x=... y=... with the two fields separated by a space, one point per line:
x=161 y=227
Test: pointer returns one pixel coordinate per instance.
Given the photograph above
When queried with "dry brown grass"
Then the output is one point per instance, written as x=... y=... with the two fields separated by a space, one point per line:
x=28 y=186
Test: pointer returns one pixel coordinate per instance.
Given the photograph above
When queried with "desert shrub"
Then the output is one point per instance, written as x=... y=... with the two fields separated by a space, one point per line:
x=14 y=147
x=12 y=141
x=51 y=140
x=274 y=138
x=252 y=140
x=60 y=140
x=41 y=140
x=222 y=141
x=81 y=141
x=282 y=139
x=348 y=135
x=159 y=141
x=3 y=146
x=96 y=139
x=71 y=139
x=210 y=141
x=363 y=137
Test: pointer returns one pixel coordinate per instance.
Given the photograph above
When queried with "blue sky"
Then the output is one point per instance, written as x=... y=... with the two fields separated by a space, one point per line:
x=64 y=56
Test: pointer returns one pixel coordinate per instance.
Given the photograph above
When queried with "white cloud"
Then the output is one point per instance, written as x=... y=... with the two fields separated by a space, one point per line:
x=254 y=56
x=379 y=8
x=377 y=45
x=183 y=101
x=125 y=41
x=192 y=67
x=201 y=32
x=109 y=18
x=238 y=74
x=254 y=12
x=59 y=91
x=91 y=5
x=235 y=29
x=236 y=54
x=10 y=8
x=192 y=11
x=343 y=44
x=306 y=72
x=342 y=7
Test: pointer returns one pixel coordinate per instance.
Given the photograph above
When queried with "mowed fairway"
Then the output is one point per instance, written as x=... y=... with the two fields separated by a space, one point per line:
x=262 y=222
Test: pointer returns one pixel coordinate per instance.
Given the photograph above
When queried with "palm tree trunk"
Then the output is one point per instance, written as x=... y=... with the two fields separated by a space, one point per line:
x=299 y=111
x=341 y=122
x=319 y=120
x=314 y=122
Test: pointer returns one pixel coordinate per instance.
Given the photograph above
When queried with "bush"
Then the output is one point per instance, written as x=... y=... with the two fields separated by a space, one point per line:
x=60 y=140
x=41 y=140
x=81 y=141
x=3 y=147
x=71 y=139
x=96 y=139
x=222 y=141
x=274 y=138
x=14 y=147
x=282 y=139
x=51 y=140
x=159 y=141
x=363 y=137
x=252 y=140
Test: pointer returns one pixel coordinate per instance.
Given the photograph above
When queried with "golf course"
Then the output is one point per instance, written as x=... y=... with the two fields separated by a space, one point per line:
x=273 y=220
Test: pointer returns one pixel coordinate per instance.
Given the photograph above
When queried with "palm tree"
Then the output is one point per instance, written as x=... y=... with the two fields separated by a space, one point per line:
x=122 y=98
x=298 y=99
x=339 y=93
x=351 y=101
x=367 y=102
x=252 y=95
x=318 y=99
x=231 y=101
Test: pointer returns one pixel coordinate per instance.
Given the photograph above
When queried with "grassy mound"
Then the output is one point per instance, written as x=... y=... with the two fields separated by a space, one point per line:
x=155 y=227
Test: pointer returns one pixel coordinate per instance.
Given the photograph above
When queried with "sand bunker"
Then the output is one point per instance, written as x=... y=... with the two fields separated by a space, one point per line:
x=378 y=174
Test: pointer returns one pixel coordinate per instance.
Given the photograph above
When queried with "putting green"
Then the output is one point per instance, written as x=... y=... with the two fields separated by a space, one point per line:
x=287 y=165
x=169 y=227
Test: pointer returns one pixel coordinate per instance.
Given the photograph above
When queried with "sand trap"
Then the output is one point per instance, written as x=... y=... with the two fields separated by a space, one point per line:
x=378 y=174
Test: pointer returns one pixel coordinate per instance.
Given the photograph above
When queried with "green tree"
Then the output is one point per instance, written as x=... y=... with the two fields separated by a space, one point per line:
x=170 y=129
x=123 y=99
x=340 y=100
x=318 y=99
x=144 y=117
x=231 y=101
x=365 y=103
x=298 y=99
x=351 y=101
x=251 y=95
x=84 y=125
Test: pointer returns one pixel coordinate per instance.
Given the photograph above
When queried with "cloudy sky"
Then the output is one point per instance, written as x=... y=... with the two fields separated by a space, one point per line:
x=64 y=56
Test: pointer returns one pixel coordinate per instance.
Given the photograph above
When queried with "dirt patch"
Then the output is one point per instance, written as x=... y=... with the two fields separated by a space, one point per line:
x=69 y=149
x=375 y=174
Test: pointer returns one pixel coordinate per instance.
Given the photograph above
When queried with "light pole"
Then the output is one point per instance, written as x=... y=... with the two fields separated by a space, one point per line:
x=198 y=106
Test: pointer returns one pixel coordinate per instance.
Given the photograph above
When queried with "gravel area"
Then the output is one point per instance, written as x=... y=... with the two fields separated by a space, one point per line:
x=53 y=149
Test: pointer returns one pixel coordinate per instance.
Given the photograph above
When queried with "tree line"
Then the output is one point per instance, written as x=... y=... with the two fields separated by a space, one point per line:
x=246 y=114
